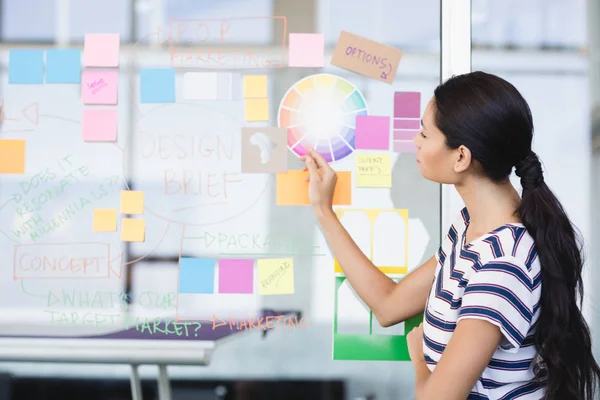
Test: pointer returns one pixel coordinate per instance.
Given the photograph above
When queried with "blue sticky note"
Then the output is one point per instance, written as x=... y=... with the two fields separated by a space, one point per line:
x=157 y=85
x=63 y=66
x=196 y=275
x=26 y=66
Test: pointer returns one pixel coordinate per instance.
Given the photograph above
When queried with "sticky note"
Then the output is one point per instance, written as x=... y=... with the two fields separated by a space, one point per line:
x=370 y=227
x=306 y=50
x=264 y=150
x=256 y=109
x=402 y=146
x=99 y=125
x=105 y=220
x=255 y=86
x=352 y=315
x=407 y=105
x=100 y=87
x=236 y=276
x=12 y=156
x=372 y=132
x=407 y=123
x=373 y=170
x=26 y=67
x=275 y=276
x=132 y=202
x=200 y=86
x=292 y=188
x=230 y=86
x=366 y=57
x=226 y=81
x=196 y=275
x=133 y=230
x=157 y=85
x=63 y=66
x=402 y=134
x=101 y=50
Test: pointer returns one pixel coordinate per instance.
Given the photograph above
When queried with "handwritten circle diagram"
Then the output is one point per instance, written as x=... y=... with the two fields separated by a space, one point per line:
x=186 y=158
x=319 y=112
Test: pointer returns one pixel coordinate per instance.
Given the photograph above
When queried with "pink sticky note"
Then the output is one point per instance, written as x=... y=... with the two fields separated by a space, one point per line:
x=306 y=50
x=236 y=276
x=99 y=125
x=404 y=147
x=407 y=105
x=372 y=132
x=101 y=50
x=407 y=124
x=99 y=87
x=405 y=135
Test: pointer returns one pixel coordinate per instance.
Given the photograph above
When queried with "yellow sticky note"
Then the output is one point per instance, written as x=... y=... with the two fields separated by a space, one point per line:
x=275 y=276
x=373 y=170
x=255 y=86
x=257 y=109
x=105 y=220
x=132 y=202
x=133 y=230
x=12 y=156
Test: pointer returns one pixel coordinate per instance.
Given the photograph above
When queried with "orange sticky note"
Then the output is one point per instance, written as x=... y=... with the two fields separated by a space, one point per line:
x=292 y=189
x=133 y=230
x=12 y=156
x=105 y=220
x=132 y=202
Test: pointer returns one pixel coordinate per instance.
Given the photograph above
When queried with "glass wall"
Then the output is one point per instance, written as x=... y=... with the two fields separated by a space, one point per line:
x=540 y=46
x=51 y=118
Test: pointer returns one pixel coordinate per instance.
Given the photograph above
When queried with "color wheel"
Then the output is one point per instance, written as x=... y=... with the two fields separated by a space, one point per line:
x=320 y=112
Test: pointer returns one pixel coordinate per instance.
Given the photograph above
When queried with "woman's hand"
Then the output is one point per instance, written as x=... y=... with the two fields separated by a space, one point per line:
x=322 y=179
x=414 y=340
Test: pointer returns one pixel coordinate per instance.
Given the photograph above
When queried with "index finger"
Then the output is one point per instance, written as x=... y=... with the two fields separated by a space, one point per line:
x=321 y=162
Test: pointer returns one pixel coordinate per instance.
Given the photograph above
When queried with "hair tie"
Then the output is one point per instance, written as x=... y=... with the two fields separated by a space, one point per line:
x=530 y=171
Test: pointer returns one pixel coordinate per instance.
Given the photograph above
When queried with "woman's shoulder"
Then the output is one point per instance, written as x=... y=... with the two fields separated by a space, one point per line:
x=511 y=246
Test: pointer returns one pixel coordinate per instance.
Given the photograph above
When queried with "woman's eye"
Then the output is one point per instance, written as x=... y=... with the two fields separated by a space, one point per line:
x=422 y=134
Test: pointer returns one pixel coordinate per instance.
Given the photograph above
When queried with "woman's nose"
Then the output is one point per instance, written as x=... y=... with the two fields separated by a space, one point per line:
x=416 y=141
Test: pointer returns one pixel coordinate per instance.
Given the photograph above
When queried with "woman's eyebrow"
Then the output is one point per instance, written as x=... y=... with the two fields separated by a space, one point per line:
x=422 y=124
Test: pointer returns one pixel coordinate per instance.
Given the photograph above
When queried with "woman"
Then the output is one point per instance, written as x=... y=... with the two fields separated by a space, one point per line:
x=501 y=319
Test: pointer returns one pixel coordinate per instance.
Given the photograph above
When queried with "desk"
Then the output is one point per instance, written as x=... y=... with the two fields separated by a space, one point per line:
x=128 y=346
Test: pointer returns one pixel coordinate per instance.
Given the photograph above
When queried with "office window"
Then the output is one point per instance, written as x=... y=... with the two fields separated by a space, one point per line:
x=403 y=23
x=35 y=20
x=105 y=16
x=240 y=31
x=28 y=20
x=527 y=24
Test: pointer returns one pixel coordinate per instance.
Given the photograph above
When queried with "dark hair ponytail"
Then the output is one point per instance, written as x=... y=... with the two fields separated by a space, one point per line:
x=489 y=116
x=562 y=336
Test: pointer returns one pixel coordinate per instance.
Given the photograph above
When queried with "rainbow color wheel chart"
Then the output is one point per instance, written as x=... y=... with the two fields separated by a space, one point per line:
x=320 y=112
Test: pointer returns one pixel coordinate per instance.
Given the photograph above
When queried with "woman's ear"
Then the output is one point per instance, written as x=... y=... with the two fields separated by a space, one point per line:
x=463 y=159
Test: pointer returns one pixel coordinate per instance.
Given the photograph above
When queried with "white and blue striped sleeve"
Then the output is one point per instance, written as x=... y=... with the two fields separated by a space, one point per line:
x=501 y=292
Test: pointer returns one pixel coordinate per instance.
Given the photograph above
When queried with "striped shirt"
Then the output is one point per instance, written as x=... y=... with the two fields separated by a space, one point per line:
x=495 y=278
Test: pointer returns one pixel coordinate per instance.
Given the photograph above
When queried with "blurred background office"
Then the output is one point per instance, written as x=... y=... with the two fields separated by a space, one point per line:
x=549 y=49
